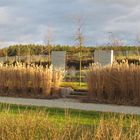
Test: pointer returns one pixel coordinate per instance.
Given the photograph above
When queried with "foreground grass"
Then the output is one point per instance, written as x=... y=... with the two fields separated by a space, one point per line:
x=56 y=114
x=40 y=123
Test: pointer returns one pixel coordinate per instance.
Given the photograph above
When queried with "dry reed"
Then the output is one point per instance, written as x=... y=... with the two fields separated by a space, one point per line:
x=57 y=79
x=21 y=78
x=119 y=83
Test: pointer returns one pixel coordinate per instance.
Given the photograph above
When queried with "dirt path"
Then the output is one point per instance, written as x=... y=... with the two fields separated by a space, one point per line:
x=72 y=104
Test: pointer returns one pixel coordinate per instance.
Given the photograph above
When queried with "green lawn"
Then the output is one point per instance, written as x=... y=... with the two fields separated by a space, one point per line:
x=75 y=85
x=56 y=114
x=41 y=123
x=62 y=115
x=120 y=57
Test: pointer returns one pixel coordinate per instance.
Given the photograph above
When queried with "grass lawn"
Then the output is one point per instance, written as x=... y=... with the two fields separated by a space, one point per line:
x=75 y=85
x=120 y=57
x=41 y=123
x=61 y=115
x=56 y=114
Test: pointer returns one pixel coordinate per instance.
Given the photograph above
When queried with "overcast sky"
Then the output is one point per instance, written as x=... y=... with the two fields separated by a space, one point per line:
x=27 y=21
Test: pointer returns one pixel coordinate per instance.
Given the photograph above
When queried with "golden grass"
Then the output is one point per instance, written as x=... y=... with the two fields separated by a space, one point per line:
x=118 y=129
x=28 y=79
x=57 y=80
x=37 y=125
x=119 y=83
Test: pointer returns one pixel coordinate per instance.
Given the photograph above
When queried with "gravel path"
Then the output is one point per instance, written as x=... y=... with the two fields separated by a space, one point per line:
x=72 y=104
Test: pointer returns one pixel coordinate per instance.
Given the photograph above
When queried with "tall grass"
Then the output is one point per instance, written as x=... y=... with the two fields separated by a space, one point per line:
x=57 y=79
x=20 y=78
x=119 y=83
x=37 y=125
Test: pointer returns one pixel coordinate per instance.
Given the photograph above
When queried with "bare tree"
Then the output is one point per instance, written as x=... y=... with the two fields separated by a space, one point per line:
x=48 y=41
x=138 y=41
x=79 y=38
x=18 y=49
x=5 y=49
x=114 y=41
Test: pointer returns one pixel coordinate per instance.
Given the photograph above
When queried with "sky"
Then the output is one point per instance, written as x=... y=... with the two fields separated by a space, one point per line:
x=30 y=21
